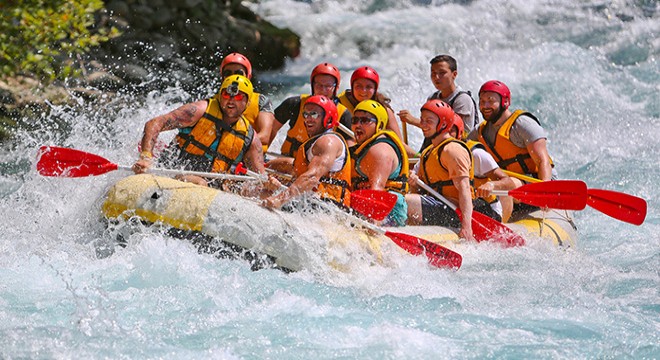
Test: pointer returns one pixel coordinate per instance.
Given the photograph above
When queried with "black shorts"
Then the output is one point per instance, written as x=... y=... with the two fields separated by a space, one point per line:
x=435 y=212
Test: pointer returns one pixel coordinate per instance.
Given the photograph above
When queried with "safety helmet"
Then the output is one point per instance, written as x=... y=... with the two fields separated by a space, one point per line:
x=444 y=113
x=376 y=109
x=325 y=69
x=500 y=88
x=330 y=119
x=235 y=83
x=460 y=126
x=365 y=72
x=240 y=59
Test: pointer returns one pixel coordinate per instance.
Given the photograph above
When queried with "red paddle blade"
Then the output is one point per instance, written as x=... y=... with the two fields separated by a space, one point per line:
x=556 y=194
x=621 y=206
x=64 y=162
x=485 y=228
x=437 y=255
x=374 y=204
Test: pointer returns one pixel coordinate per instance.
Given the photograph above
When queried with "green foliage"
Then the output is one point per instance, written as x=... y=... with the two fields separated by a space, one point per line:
x=43 y=38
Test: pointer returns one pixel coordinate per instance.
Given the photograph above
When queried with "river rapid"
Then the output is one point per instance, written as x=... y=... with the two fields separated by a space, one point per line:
x=589 y=70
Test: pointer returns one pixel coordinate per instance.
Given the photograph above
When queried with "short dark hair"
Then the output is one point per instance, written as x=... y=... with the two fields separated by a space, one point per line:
x=445 y=58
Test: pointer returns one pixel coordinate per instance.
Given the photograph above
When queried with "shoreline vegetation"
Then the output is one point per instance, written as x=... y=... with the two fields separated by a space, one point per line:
x=55 y=52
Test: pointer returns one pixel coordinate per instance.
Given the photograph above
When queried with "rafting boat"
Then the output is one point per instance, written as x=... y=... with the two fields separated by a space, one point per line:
x=290 y=240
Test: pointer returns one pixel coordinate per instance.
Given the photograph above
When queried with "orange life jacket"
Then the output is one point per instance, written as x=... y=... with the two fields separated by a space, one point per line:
x=335 y=185
x=434 y=174
x=215 y=142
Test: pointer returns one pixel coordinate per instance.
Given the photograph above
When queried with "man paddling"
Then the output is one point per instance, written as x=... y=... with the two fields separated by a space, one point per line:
x=515 y=139
x=446 y=166
x=322 y=163
x=213 y=134
x=379 y=160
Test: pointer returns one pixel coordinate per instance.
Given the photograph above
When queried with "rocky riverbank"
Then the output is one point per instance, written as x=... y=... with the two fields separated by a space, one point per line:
x=163 y=43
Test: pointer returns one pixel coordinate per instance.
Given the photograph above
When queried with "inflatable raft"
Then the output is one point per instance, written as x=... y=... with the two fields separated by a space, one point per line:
x=291 y=241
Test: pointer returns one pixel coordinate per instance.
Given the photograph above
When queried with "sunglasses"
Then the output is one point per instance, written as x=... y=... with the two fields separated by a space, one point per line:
x=311 y=114
x=362 y=120
x=238 y=97
x=325 y=86
x=227 y=73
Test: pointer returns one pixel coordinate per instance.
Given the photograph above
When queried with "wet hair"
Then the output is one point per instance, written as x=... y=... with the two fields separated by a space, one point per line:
x=445 y=58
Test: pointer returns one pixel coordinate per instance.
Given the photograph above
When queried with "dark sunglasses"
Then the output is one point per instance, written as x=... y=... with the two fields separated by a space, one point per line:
x=227 y=73
x=362 y=120
x=238 y=97
x=311 y=114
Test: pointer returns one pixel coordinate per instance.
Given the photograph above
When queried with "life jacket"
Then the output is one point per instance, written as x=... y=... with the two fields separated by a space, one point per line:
x=479 y=180
x=213 y=144
x=509 y=156
x=335 y=185
x=346 y=101
x=395 y=182
x=252 y=111
x=297 y=133
x=434 y=174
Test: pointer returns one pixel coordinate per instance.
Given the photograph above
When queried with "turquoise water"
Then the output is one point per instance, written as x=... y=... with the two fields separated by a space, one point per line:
x=589 y=70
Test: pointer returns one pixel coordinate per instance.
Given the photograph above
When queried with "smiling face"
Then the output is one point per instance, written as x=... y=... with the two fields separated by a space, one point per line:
x=363 y=125
x=442 y=76
x=363 y=89
x=313 y=116
x=490 y=105
x=428 y=123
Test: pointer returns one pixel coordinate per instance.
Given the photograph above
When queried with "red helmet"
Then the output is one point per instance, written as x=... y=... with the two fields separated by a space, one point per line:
x=240 y=59
x=460 y=126
x=325 y=69
x=330 y=119
x=444 y=113
x=365 y=72
x=500 y=88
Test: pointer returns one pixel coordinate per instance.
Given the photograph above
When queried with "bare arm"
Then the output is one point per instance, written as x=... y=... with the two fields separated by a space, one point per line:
x=184 y=116
x=264 y=125
x=407 y=117
x=378 y=164
x=465 y=204
x=254 y=157
x=326 y=150
x=539 y=153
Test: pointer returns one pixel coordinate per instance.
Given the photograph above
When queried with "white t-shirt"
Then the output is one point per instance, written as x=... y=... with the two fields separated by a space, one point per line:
x=338 y=163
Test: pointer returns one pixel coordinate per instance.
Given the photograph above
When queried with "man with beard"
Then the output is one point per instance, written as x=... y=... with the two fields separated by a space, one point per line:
x=213 y=134
x=515 y=139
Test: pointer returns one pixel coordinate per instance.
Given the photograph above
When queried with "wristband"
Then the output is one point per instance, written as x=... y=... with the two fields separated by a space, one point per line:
x=145 y=155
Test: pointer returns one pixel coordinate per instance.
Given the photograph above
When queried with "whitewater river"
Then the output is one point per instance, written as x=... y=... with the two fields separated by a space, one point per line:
x=588 y=70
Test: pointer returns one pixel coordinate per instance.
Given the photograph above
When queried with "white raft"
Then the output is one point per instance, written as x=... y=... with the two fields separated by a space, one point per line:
x=294 y=241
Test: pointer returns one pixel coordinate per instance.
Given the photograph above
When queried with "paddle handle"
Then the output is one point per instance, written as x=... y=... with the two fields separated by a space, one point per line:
x=522 y=177
x=197 y=173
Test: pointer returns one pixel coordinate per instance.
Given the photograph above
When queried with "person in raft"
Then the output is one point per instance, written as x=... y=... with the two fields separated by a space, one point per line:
x=213 y=135
x=260 y=109
x=364 y=86
x=444 y=71
x=325 y=79
x=446 y=166
x=379 y=160
x=515 y=139
x=322 y=163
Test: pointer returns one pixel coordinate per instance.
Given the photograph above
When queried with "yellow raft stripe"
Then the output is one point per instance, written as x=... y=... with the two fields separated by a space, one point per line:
x=160 y=202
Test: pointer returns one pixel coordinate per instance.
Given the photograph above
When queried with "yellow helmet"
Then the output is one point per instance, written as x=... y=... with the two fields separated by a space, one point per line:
x=235 y=83
x=376 y=109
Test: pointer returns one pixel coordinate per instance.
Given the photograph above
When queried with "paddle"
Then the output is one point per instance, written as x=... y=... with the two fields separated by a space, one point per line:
x=65 y=162
x=484 y=228
x=374 y=204
x=559 y=194
x=621 y=206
